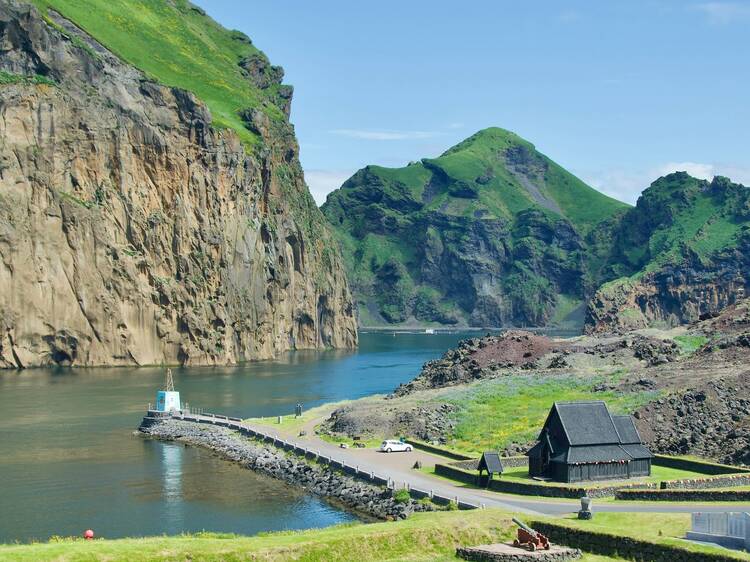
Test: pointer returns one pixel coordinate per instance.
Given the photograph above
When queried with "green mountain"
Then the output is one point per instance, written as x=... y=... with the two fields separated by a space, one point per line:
x=490 y=233
x=683 y=251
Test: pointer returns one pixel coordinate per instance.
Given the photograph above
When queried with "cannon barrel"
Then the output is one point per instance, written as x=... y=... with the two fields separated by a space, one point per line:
x=524 y=526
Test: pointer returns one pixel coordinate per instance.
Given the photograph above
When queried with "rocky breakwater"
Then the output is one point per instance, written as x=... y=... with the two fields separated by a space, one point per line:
x=133 y=231
x=315 y=478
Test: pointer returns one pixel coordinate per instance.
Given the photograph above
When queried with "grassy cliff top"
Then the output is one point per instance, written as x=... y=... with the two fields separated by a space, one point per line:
x=680 y=215
x=492 y=174
x=176 y=44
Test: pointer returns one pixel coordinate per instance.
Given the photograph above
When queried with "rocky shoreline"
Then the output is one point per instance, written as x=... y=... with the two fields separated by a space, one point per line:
x=317 y=479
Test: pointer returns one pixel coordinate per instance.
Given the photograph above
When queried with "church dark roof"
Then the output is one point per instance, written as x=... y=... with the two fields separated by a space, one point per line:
x=626 y=429
x=590 y=434
x=587 y=423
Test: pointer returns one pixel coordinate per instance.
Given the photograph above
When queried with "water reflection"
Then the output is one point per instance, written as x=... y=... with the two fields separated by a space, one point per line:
x=70 y=460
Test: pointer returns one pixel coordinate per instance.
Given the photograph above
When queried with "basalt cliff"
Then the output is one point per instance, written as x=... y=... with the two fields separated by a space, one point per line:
x=137 y=224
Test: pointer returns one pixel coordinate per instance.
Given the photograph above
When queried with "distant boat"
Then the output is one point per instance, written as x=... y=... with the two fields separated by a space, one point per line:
x=429 y=331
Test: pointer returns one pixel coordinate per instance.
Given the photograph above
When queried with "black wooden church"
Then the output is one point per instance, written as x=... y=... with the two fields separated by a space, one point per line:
x=584 y=441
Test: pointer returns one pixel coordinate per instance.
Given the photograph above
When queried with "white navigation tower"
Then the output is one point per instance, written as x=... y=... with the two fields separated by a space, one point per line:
x=168 y=399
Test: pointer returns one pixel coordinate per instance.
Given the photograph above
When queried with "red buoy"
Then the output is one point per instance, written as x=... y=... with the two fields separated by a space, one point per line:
x=88 y=534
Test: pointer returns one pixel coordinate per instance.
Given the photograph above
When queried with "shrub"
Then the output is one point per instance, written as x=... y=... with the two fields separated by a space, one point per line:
x=401 y=496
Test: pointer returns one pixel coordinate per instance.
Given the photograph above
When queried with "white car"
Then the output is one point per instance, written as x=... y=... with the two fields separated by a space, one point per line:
x=393 y=446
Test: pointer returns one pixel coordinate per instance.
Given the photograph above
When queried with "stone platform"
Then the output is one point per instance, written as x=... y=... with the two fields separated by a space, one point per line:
x=508 y=553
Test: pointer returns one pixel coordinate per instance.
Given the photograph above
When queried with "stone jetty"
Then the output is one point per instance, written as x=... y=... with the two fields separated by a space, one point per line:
x=319 y=479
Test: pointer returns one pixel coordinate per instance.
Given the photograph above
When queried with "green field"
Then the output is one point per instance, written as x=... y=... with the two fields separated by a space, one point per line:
x=658 y=473
x=690 y=344
x=513 y=409
x=654 y=527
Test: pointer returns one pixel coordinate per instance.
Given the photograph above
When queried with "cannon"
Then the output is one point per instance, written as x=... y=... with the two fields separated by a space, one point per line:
x=528 y=538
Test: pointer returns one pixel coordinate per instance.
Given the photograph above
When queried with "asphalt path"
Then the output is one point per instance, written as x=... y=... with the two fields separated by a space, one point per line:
x=399 y=468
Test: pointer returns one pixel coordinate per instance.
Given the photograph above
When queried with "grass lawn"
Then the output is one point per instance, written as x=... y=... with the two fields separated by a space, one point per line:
x=655 y=527
x=422 y=537
x=658 y=473
x=513 y=409
x=292 y=424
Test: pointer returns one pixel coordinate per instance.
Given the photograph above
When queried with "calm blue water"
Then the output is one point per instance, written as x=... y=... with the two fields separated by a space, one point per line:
x=70 y=460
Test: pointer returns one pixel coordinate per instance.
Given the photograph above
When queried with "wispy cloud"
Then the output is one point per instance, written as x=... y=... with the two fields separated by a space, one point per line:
x=322 y=182
x=570 y=16
x=724 y=12
x=384 y=135
x=695 y=169
x=627 y=185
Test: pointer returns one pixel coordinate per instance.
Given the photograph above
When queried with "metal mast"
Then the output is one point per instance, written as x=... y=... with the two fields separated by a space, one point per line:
x=169 y=381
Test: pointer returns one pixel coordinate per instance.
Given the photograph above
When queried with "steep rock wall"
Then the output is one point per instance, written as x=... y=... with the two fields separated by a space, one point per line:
x=132 y=232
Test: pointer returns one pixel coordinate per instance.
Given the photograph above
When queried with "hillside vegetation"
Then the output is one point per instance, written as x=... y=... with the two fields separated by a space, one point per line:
x=682 y=252
x=176 y=44
x=490 y=233
x=494 y=233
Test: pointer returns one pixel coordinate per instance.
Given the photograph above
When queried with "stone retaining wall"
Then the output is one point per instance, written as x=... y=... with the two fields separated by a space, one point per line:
x=506 y=553
x=624 y=547
x=508 y=462
x=466 y=471
x=695 y=465
x=728 y=481
x=684 y=495
x=531 y=489
x=437 y=450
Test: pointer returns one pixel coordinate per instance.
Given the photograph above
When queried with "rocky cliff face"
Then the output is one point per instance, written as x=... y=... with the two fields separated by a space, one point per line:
x=133 y=232
x=681 y=254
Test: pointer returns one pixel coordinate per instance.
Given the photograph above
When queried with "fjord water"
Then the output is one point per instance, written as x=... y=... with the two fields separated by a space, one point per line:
x=70 y=460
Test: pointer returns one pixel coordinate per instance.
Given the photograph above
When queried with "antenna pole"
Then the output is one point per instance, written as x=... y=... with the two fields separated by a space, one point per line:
x=169 y=382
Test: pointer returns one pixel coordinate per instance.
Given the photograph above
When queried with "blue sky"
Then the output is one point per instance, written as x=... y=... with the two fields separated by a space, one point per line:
x=617 y=92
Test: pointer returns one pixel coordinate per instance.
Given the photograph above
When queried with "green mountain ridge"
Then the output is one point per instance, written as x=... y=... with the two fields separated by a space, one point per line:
x=682 y=252
x=491 y=232
x=494 y=233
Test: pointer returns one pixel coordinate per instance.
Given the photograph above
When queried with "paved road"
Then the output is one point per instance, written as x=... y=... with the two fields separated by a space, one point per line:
x=398 y=467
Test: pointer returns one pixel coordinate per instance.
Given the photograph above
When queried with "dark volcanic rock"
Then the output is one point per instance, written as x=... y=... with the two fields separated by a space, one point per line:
x=712 y=420
x=480 y=358
x=427 y=422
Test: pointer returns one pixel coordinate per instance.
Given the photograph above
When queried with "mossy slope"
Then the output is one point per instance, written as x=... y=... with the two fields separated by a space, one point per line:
x=682 y=252
x=492 y=232
x=176 y=44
